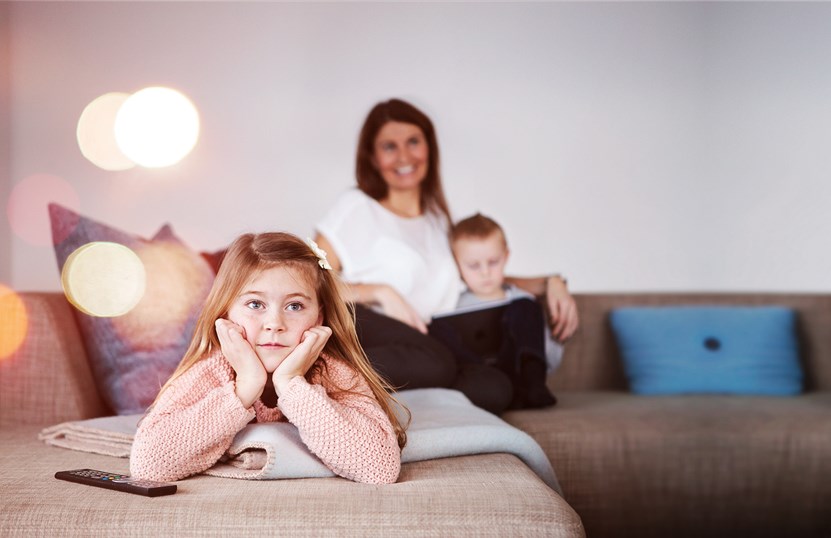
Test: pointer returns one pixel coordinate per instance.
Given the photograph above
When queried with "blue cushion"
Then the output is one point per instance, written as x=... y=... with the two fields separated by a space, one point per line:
x=709 y=349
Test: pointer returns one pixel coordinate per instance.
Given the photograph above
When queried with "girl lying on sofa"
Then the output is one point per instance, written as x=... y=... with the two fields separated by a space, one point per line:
x=274 y=342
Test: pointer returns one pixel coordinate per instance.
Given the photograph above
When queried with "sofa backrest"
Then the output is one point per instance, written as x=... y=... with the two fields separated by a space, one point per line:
x=591 y=360
x=48 y=379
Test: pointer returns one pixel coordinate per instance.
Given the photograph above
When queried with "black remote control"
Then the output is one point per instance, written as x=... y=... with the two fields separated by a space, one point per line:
x=118 y=482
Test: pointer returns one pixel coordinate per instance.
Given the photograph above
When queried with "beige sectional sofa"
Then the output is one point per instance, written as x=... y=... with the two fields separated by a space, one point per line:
x=628 y=465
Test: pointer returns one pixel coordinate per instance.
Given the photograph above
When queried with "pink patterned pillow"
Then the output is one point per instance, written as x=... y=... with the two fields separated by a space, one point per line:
x=131 y=356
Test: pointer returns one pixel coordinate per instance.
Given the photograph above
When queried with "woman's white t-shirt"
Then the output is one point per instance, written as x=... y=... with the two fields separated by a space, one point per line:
x=376 y=246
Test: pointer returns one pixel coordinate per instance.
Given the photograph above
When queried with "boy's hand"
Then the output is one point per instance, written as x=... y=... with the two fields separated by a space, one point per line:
x=298 y=362
x=251 y=374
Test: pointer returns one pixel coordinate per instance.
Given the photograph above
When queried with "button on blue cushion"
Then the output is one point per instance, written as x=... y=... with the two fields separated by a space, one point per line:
x=709 y=349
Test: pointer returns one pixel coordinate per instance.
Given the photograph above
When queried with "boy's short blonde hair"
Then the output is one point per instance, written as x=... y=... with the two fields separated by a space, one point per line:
x=477 y=226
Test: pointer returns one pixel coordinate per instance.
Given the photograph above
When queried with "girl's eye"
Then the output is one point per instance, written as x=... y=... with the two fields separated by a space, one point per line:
x=493 y=263
x=255 y=305
x=387 y=146
x=415 y=141
x=473 y=266
x=294 y=307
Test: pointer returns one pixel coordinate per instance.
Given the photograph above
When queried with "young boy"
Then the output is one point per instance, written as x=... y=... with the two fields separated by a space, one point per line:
x=481 y=252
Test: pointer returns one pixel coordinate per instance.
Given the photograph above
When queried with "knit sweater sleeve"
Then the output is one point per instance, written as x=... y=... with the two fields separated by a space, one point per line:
x=347 y=430
x=191 y=425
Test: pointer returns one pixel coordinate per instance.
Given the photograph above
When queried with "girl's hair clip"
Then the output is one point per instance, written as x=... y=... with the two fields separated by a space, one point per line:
x=320 y=253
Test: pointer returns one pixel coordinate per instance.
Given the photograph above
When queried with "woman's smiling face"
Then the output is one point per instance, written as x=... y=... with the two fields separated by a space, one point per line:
x=401 y=155
x=274 y=309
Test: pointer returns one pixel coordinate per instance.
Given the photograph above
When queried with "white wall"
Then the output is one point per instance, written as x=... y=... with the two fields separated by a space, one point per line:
x=768 y=136
x=632 y=146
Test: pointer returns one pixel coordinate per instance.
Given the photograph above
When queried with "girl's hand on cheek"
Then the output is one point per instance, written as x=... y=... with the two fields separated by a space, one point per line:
x=251 y=375
x=298 y=362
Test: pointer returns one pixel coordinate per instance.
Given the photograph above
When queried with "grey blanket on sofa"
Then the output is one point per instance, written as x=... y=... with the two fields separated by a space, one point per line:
x=444 y=424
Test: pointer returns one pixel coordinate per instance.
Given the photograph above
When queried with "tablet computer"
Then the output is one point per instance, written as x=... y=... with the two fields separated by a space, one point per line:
x=479 y=326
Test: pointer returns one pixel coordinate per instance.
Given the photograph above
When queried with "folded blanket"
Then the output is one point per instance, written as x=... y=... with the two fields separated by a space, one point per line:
x=111 y=436
x=444 y=424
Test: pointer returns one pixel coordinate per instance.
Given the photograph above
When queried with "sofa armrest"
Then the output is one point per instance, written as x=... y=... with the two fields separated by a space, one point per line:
x=48 y=379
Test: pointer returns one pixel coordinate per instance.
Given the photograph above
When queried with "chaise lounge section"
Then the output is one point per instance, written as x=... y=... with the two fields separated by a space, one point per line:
x=48 y=381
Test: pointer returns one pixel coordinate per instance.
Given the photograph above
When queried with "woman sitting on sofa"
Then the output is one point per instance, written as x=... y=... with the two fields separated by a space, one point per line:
x=389 y=239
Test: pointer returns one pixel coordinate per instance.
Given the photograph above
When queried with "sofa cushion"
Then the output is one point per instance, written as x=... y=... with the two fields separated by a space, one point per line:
x=709 y=349
x=481 y=495
x=132 y=355
x=690 y=465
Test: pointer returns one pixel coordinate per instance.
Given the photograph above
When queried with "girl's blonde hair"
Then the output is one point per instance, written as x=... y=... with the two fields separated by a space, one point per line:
x=250 y=254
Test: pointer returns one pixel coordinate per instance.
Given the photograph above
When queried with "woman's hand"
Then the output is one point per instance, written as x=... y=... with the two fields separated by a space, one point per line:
x=251 y=374
x=395 y=306
x=298 y=362
x=562 y=308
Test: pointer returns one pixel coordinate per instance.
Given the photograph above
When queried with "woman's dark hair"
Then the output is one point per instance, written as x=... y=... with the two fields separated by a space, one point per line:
x=371 y=182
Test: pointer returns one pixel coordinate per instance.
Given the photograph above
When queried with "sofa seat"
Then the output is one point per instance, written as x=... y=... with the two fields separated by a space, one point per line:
x=690 y=465
x=482 y=495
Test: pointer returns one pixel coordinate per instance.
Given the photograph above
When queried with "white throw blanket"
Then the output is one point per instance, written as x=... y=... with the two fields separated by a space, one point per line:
x=444 y=424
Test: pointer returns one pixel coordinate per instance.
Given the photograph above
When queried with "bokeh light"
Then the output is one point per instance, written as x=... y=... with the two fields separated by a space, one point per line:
x=156 y=127
x=96 y=133
x=103 y=279
x=176 y=287
x=14 y=322
x=27 y=208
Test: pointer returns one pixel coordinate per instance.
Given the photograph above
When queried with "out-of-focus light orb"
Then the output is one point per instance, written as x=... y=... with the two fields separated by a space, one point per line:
x=96 y=133
x=176 y=287
x=156 y=127
x=14 y=322
x=27 y=208
x=103 y=279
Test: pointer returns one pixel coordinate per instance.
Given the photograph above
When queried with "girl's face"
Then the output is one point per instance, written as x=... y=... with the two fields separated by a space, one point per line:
x=274 y=309
x=400 y=155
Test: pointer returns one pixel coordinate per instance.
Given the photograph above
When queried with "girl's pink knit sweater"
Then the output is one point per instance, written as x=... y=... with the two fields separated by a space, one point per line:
x=196 y=418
